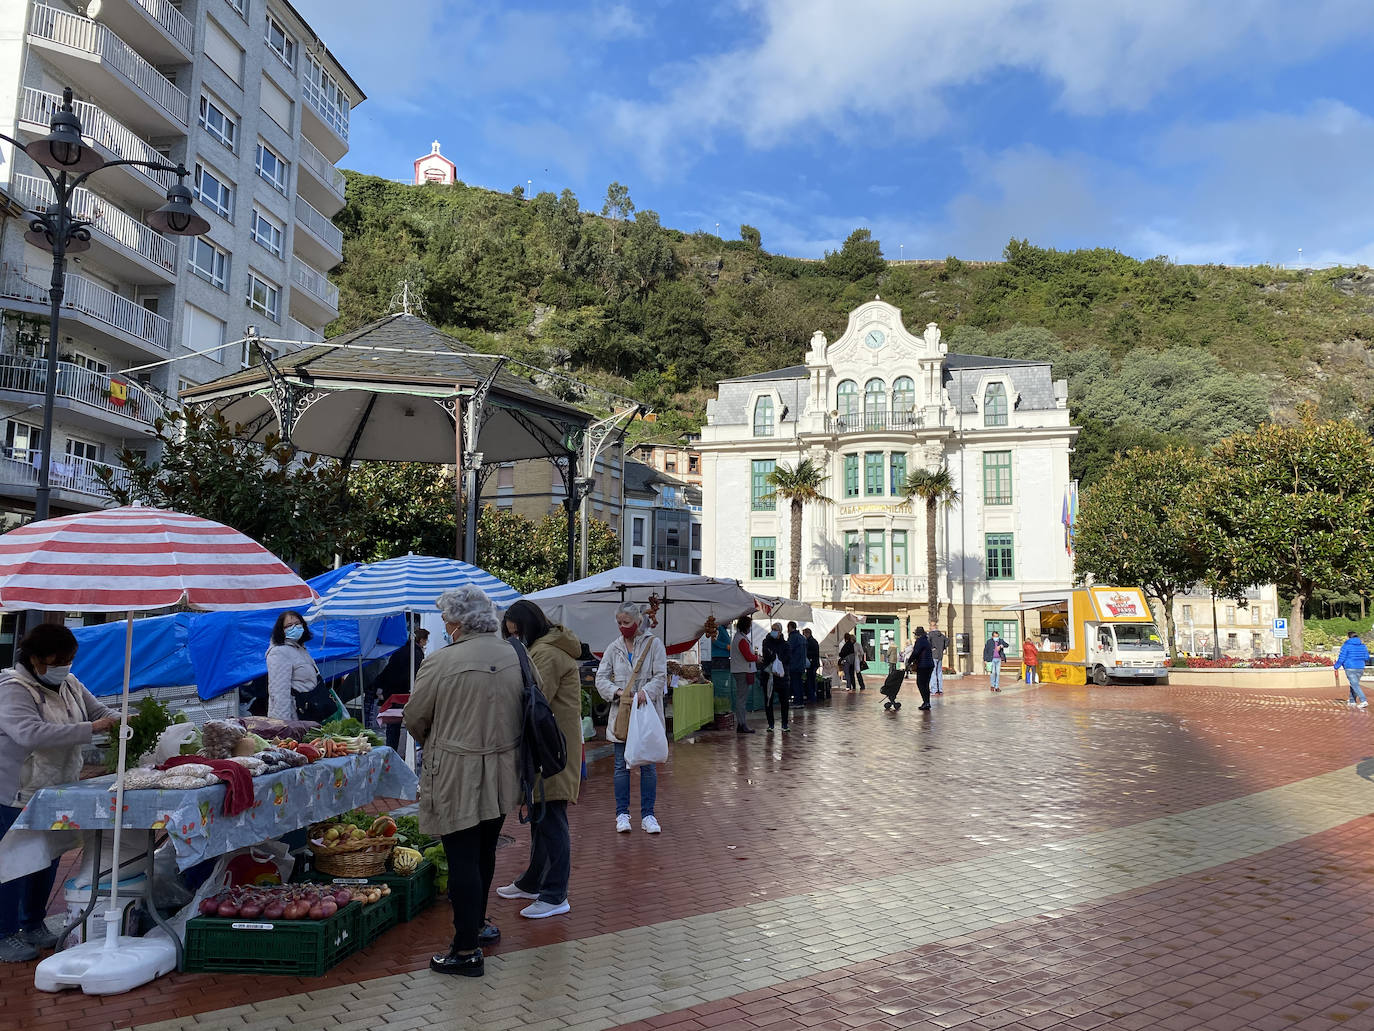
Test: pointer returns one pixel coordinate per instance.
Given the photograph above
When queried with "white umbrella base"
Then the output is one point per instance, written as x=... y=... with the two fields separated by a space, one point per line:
x=105 y=967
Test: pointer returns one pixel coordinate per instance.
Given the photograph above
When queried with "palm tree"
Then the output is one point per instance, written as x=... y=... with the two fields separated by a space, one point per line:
x=801 y=485
x=936 y=489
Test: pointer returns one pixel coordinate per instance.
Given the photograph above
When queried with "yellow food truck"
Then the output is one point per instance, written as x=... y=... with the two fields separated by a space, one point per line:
x=1099 y=634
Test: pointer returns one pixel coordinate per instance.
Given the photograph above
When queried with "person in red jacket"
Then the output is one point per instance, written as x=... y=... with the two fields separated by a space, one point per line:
x=1030 y=657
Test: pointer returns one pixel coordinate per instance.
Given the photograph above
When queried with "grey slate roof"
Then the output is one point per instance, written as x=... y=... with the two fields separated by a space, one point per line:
x=791 y=372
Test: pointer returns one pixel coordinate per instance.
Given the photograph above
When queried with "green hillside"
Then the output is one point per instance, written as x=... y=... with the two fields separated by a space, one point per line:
x=1154 y=352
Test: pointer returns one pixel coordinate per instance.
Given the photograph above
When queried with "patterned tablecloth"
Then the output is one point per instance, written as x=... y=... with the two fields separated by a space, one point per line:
x=56 y=817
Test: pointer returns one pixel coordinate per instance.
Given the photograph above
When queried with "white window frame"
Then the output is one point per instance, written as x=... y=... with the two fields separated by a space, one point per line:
x=216 y=277
x=85 y=445
x=271 y=305
x=209 y=105
x=265 y=240
x=282 y=184
x=222 y=201
x=287 y=52
x=240 y=6
x=331 y=101
x=32 y=435
x=90 y=363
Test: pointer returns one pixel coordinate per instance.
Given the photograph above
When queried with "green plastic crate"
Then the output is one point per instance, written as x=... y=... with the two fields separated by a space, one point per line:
x=301 y=948
x=377 y=918
x=412 y=892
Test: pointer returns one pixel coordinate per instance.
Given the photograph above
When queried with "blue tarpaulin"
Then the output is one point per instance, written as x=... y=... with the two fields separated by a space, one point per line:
x=217 y=651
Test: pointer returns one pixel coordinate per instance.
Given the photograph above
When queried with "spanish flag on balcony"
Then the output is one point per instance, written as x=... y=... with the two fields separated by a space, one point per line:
x=119 y=392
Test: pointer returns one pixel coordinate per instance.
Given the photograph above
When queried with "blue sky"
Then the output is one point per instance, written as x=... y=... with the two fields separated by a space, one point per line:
x=1235 y=131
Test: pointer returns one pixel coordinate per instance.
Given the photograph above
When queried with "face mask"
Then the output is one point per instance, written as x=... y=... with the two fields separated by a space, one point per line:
x=293 y=632
x=54 y=675
x=775 y=634
x=448 y=638
x=628 y=632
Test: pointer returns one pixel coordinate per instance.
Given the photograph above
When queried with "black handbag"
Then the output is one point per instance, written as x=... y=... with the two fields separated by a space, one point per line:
x=317 y=704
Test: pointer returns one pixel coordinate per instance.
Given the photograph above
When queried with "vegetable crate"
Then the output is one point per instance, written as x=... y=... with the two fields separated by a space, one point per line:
x=412 y=893
x=377 y=918
x=300 y=948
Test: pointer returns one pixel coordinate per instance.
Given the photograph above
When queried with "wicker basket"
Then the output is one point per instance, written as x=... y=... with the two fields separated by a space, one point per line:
x=364 y=858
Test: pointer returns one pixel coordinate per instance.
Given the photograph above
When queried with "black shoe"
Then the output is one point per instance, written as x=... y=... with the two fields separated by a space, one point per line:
x=490 y=934
x=923 y=707
x=743 y=730
x=453 y=963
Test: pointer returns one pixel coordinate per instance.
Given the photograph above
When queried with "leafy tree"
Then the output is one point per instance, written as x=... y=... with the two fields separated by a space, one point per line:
x=799 y=486
x=618 y=206
x=1137 y=526
x=1299 y=505
x=860 y=257
x=935 y=489
x=290 y=503
x=404 y=508
x=752 y=237
x=531 y=556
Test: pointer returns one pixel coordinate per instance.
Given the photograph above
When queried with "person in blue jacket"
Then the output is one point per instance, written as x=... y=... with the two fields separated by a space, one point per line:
x=994 y=652
x=1353 y=658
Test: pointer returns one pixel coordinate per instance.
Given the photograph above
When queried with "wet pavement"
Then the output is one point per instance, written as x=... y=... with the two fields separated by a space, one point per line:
x=1127 y=857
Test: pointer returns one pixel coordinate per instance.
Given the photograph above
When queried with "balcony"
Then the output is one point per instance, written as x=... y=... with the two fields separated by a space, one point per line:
x=77 y=477
x=323 y=186
x=160 y=32
x=323 y=117
x=321 y=243
x=104 y=66
x=143 y=187
x=93 y=399
x=87 y=303
x=301 y=332
x=854 y=587
x=874 y=421
x=313 y=298
x=131 y=249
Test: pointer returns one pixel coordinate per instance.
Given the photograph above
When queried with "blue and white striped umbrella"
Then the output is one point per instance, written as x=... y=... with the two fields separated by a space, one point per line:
x=411 y=583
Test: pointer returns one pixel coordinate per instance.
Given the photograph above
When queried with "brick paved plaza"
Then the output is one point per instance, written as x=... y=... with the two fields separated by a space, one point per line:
x=1132 y=857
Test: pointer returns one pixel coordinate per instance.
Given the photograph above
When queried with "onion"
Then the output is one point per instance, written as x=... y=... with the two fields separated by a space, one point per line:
x=343 y=896
x=210 y=906
x=294 y=911
x=228 y=908
x=329 y=908
x=274 y=910
x=317 y=911
x=250 y=910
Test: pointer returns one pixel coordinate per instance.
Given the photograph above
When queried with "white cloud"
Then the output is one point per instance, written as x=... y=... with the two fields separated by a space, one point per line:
x=820 y=63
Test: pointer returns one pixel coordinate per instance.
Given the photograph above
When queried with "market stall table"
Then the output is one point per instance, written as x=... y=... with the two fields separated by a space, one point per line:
x=59 y=818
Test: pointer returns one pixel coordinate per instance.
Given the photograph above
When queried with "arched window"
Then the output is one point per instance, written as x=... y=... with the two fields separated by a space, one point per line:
x=995 y=405
x=875 y=404
x=904 y=399
x=847 y=401
x=763 y=417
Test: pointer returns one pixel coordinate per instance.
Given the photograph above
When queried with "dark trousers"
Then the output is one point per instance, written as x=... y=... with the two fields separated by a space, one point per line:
x=923 y=683
x=774 y=688
x=811 y=672
x=797 y=677
x=24 y=900
x=550 y=855
x=471 y=856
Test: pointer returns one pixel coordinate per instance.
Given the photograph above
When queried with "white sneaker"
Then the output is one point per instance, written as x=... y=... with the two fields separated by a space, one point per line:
x=622 y=823
x=1362 y=705
x=539 y=910
x=510 y=891
x=650 y=825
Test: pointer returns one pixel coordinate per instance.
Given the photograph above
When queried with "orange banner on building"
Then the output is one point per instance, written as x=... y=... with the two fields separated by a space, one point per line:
x=871 y=583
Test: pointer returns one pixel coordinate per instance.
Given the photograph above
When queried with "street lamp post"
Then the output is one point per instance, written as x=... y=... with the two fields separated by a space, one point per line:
x=68 y=161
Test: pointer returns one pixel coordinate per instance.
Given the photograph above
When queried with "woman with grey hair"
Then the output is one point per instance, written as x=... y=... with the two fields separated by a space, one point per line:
x=467 y=711
x=633 y=667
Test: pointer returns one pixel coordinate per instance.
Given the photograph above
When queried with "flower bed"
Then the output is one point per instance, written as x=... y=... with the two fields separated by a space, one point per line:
x=1303 y=661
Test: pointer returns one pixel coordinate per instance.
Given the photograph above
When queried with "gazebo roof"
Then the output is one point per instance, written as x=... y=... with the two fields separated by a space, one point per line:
x=389 y=392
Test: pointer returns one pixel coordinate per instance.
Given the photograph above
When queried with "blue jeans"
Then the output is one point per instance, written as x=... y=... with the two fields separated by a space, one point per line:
x=24 y=900
x=1353 y=676
x=648 y=785
x=996 y=673
x=937 y=679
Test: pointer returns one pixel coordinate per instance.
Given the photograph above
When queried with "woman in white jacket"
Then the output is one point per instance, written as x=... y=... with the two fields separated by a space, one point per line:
x=632 y=645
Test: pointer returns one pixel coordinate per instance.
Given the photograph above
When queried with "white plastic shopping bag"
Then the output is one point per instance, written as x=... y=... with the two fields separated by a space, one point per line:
x=647 y=741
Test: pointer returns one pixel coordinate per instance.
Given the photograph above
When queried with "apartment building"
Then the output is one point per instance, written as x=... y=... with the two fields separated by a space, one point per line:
x=535 y=489
x=682 y=460
x=247 y=97
x=662 y=521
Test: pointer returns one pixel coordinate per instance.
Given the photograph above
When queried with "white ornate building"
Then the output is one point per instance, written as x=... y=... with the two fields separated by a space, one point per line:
x=869 y=408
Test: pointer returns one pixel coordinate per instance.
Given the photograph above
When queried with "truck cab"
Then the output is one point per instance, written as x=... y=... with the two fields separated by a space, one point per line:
x=1100 y=634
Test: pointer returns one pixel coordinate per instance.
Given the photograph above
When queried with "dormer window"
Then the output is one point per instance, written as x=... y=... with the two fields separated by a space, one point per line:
x=995 y=405
x=763 y=417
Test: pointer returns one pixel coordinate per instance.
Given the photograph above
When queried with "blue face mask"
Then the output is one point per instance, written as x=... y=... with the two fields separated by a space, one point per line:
x=448 y=638
x=293 y=632
x=775 y=633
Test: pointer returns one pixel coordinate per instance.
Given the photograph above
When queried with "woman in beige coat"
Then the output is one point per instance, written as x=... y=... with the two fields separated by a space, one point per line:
x=554 y=652
x=467 y=711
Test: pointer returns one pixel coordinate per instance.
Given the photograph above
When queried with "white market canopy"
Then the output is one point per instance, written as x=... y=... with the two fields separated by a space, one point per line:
x=685 y=601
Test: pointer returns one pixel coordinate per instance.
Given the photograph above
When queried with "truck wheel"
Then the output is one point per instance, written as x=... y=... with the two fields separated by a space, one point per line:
x=1100 y=677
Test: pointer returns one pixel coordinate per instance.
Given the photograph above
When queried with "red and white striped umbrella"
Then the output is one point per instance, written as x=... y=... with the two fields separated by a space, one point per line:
x=134 y=559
